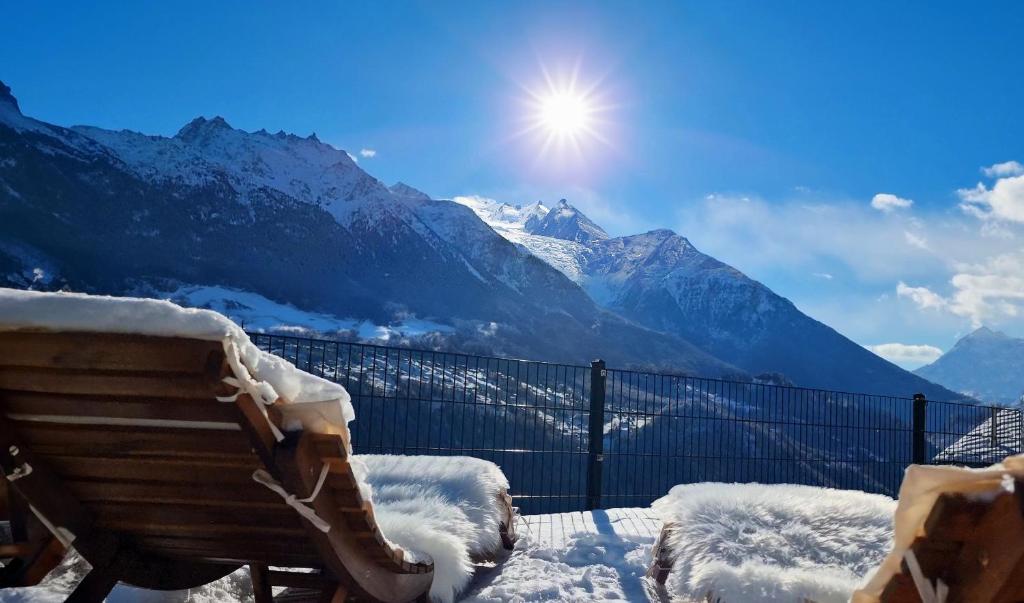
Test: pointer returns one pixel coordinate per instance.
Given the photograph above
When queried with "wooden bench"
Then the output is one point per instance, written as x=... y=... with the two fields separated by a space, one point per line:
x=973 y=545
x=118 y=444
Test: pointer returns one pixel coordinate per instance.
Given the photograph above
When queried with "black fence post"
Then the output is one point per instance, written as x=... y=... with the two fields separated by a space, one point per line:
x=598 y=377
x=920 y=420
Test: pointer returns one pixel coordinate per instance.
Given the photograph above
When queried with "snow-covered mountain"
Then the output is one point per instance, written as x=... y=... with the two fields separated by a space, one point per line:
x=296 y=222
x=985 y=364
x=659 y=279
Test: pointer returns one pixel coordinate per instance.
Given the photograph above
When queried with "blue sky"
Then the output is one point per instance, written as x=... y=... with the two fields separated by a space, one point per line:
x=762 y=131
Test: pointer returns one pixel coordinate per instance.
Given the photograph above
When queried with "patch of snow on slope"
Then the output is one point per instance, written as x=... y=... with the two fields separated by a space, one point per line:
x=257 y=313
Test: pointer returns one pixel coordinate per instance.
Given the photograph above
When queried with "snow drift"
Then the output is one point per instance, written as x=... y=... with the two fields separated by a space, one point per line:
x=752 y=542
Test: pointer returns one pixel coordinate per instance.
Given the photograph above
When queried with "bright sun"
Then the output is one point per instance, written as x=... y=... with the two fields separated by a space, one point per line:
x=565 y=113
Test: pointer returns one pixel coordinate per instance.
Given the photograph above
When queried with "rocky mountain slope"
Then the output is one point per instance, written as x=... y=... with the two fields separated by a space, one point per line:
x=985 y=364
x=659 y=279
x=294 y=221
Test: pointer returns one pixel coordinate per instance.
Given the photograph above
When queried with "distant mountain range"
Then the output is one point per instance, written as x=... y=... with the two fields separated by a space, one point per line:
x=660 y=280
x=986 y=364
x=265 y=225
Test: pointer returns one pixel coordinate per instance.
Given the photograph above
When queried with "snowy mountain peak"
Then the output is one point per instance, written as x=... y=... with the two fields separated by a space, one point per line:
x=6 y=98
x=200 y=128
x=984 y=334
x=566 y=222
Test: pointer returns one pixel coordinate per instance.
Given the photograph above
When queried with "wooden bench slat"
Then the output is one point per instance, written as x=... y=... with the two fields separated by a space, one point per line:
x=171 y=494
x=174 y=471
x=130 y=441
x=104 y=352
x=141 y=529
x=83 y=382
x=282 y=516
x=150 y=407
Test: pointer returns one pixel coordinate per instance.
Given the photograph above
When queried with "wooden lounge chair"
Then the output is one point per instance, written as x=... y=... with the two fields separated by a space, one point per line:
x=973 y=545
x=118 y=444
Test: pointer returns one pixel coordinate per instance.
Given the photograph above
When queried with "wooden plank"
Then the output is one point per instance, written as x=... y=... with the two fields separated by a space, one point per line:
x=106 y=351
x=289 y=540
x=117 y=513
x=230 y=472
x=115 y=441
x=208 y=494
x=287 y=557
x=119 y=383
x=119 y=440
x=150 y=407
x=141 y=529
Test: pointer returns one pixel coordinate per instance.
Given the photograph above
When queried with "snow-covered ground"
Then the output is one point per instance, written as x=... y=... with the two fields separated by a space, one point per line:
x=591 y=556
x=587 y=556
x=599 y=555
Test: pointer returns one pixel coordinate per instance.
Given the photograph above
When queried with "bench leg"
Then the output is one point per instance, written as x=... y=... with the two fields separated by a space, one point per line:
x=260 y=576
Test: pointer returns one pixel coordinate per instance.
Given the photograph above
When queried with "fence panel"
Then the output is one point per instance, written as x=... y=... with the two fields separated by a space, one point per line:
x=649 y=431
x=972 y=435
x=666 y=429
x=531 y=418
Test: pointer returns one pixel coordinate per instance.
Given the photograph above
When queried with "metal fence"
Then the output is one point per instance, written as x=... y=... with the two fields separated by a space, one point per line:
x=575 y=437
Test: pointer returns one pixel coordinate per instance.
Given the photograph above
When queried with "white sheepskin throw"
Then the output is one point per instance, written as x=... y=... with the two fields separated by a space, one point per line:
x=471 y=484
x=743 y=543
x=429 y=528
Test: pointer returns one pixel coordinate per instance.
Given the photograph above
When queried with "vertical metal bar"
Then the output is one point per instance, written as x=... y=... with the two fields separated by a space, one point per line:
x=995 y=427
x=598 y=375
x=920 y=420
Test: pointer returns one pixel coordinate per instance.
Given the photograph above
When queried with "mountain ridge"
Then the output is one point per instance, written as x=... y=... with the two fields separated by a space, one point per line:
x=295 y=221
x=661 y=280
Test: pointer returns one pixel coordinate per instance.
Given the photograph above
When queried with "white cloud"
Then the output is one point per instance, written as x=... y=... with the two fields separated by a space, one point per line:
x=990 y=291
x=887 y=203
x=924 y=297
x=805 y=237
x=1003 y=201
x=368 y=153
x=910 y=355
x=1001 y=170
x=824 y=275
x=915 y=240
